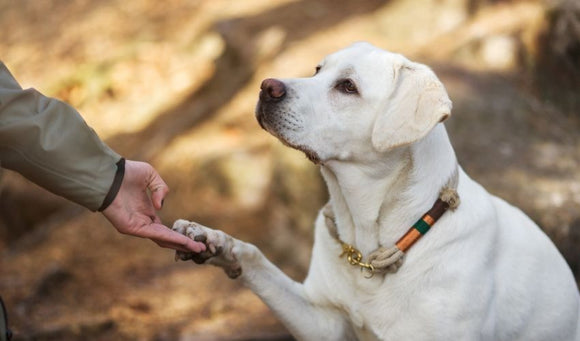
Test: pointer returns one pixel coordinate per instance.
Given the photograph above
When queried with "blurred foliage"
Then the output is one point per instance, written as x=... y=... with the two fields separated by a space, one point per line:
x=558 y=60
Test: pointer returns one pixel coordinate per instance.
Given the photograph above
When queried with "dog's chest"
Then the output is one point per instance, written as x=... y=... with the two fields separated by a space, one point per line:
x=374 y=314
x=377 y=308
x=392 y=311
x=374 y=306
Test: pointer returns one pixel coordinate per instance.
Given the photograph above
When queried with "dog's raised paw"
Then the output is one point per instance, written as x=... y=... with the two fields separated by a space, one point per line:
x=218 y=247
x=198 y=233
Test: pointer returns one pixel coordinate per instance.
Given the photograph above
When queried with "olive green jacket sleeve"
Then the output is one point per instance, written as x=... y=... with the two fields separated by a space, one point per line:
x=48 y=142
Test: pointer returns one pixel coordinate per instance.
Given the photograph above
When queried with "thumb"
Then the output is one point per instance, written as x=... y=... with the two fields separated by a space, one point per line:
x=158 y=188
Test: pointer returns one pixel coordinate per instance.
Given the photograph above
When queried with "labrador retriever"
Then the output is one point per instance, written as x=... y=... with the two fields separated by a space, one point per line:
x=371 y=120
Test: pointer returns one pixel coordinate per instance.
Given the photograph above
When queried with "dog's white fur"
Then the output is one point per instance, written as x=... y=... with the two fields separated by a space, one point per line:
x=484 y=271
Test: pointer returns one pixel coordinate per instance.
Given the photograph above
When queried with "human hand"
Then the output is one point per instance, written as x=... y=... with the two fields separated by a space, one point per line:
x=133 y=212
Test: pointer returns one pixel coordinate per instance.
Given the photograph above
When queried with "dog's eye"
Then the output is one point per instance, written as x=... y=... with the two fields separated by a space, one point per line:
x=347 y=86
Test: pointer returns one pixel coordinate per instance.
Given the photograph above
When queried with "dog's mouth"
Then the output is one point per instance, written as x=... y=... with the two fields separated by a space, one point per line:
x=310 y=154
x=260 y=117
x=269 y=121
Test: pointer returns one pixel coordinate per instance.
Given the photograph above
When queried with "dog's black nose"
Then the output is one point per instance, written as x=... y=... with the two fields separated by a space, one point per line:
x=272 y=90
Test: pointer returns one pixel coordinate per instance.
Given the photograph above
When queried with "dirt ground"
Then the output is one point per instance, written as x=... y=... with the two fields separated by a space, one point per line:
x=175 y=82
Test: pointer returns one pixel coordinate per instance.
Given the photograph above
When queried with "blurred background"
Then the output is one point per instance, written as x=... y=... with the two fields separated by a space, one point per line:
x=175 y=82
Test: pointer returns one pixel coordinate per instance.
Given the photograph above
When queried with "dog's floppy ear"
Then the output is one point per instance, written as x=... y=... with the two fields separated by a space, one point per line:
x=418 y=102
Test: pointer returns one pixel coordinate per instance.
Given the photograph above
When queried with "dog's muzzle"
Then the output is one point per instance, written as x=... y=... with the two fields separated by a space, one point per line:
x=275 y=119
x=272 y=92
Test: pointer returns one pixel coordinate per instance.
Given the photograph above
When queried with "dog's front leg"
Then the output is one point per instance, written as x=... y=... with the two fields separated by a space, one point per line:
x=287 y=298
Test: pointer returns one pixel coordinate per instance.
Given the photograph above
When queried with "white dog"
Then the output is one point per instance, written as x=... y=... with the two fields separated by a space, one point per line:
x=370 y=119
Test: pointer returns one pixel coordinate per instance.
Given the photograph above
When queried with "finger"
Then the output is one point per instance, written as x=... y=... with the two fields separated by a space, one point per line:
x=187 y=246
x=158 y=188
x=164 y=245
x=165 y=237
x=177 y=248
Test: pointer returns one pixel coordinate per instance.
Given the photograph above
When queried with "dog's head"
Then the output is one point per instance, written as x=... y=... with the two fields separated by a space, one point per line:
x=361 y=101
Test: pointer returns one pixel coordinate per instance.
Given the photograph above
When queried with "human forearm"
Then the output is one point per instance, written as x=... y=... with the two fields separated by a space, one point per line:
x=48 y=142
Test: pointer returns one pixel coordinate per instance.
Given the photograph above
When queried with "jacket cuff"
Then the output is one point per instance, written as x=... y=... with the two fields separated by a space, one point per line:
x=117 y=181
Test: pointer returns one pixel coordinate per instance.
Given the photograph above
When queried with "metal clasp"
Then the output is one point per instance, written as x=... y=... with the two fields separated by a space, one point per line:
x=354 y=257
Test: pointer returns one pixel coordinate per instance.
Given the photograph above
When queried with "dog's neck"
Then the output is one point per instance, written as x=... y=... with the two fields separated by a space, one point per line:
x=376 y=202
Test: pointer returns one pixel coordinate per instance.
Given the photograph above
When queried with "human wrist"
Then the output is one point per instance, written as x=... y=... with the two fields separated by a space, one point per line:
x=115 y=186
